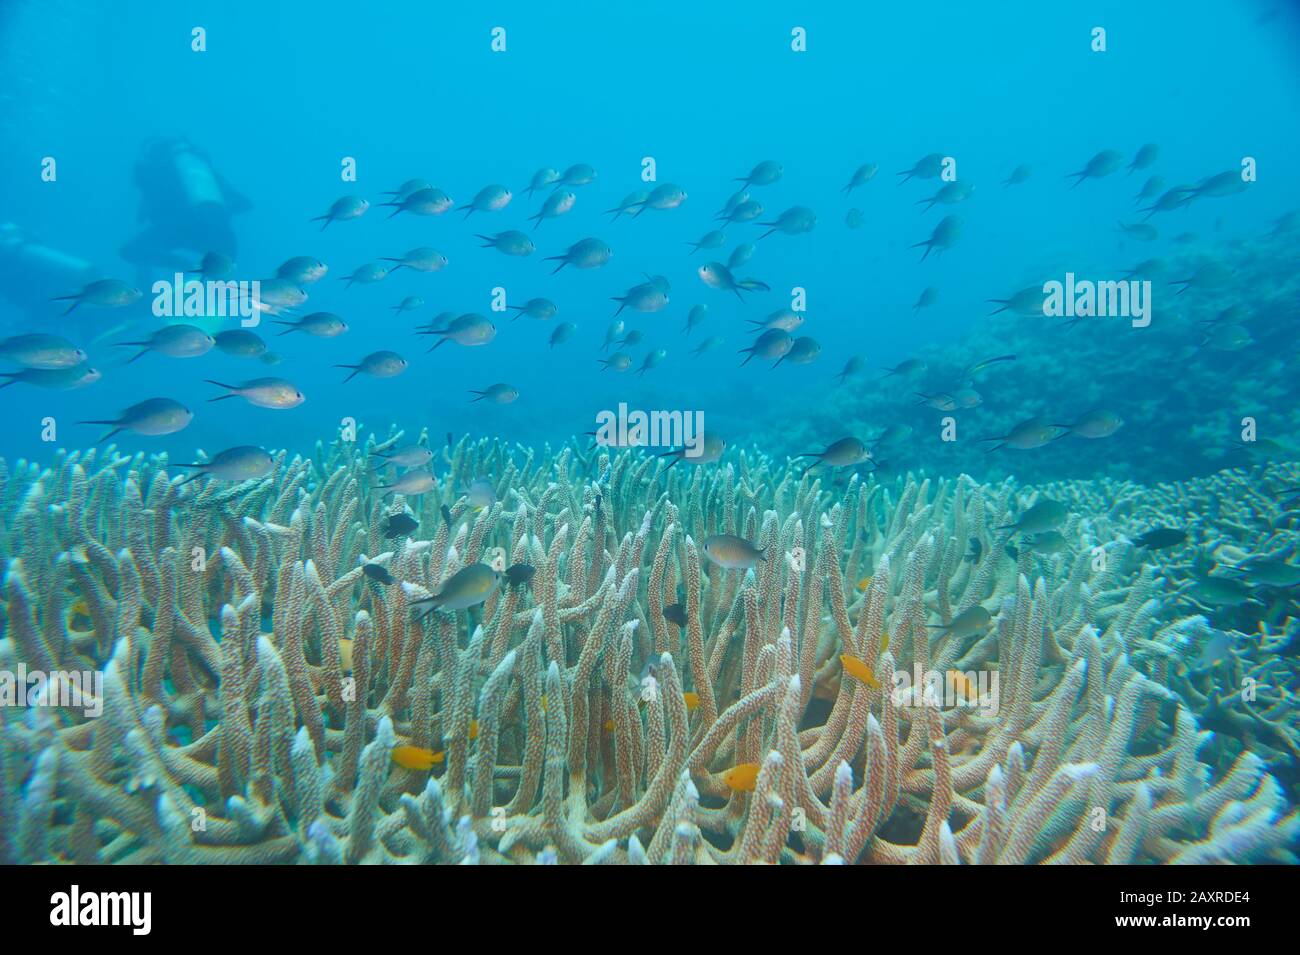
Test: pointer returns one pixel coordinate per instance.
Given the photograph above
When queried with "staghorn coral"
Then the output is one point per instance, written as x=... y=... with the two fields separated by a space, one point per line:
x=255 y=683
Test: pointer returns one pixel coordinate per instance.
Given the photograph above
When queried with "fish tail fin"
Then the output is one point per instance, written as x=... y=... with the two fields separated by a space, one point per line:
x=767 y=233
x=356 y=370
x=481 y=395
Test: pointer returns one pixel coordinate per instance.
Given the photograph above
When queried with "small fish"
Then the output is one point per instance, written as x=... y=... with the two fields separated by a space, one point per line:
x=378 y=573
x=973 y=369
x=244 y=463
x=797 y=220
x=773 y=343
x=579 y=174
x=56 y=379
x=511 y=242
x=718 y=276
x=862 y=585
x=764 y=174
x=408 y=304
x=520 y=575
x=1045 y=515
x=317 y=325
x=968 y=623
x=468 y=587
x=39 y=350
x=851 y=367
x=708 y=345
x=1145 y=157
x=470 y=330
x=783 y=319
x=410 y=484
x=695 y=317
x=1027 y=435
x=692 y=701
x=557 y=204
x=542 y=309
x=379 y=364
x=175 y=341
x=1161 y=538
x=1098 y=167
x=341 y=210
x=152 y=417
x=562 y=333
x=976 y=550
x=589 y=253
x=1218 y=649
x=1018 y=175
x=859 y=670
x=542 y=179
x=263 y=393
x=423 y=202
x=715 y=239
x=675 y=613
x=846 y=452
x=927 y=167
x=928 y=297
x=1048 y=542
x=422 y=259
x=481 y=494
x=619 y=361
x=1270 y=572
x=742 y=778
x=861 y=176
x=399 y=525
x=941 y=238
x=445 y=511
x=492 y=198
x=652 y=360
x=214 y=265
x=498 y=394
x=240 y=342
x=106 y=293
x=410 y=456
x=302 y=270
x=1098 y=423
x=367 y=274
x=415 y=757
x=731 y=552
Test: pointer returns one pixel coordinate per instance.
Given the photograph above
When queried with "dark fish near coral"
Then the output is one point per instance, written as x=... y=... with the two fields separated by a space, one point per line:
x=399 y=525
x=976 y=550
x=378 y=573
x=1271 y=572
x=466 y=588
x=846 y=452
x=520 y=575
x=675 y=613
x=1161 y=538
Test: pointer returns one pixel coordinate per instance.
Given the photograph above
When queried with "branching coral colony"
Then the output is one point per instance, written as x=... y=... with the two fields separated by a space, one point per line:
x=256 y=684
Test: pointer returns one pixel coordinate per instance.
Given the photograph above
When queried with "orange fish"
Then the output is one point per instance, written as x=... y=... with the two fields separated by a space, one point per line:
x=962 y=685
x=855 y=667
x=742 y=778
x=415 y=757
x=692 y=700
x=473 y=729
x=345 y=654
x=609 y=726
x=884 y=640
x=863 y=584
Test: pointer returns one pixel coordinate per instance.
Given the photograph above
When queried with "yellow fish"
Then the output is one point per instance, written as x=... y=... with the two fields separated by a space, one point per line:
x=855 y=667
x=609 y=726
x=345 y=654
x=692 y=700
x=415 y=757
x=884 y=640
x=742 y=778
x=863 y=584
x=962 y=685
x=473 y=729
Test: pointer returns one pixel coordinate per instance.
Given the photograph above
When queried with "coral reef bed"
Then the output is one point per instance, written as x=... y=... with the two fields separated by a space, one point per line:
x=258 y=685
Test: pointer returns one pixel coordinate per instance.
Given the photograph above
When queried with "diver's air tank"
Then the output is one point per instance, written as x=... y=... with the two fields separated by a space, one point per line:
x=197 y=180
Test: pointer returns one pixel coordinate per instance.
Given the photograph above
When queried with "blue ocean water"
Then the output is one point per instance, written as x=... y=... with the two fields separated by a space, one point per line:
x=284 y=93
